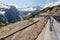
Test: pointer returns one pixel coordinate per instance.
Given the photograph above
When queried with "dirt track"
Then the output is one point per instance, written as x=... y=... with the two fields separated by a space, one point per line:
x=30 y=33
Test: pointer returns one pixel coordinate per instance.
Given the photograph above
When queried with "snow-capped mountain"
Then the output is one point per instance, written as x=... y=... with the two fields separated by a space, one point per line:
x=30 y=10
x=8 y=14
x=3 y=5
x=3 y=8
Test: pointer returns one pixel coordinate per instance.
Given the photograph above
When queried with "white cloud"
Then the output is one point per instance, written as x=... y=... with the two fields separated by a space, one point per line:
x=14 y=5
x=29 y=9
x=0 y=0
x=50 y=4
x=56 y=3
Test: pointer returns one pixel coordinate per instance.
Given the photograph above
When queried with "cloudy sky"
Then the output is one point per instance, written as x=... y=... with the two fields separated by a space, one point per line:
x=31 y=3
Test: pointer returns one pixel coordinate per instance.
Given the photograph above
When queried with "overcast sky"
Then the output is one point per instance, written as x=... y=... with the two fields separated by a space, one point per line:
x=31 y=3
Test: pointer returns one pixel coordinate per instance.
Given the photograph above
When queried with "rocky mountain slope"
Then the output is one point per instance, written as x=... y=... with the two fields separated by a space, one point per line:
x=8 y=14
x=29 y=11
x=53 y=8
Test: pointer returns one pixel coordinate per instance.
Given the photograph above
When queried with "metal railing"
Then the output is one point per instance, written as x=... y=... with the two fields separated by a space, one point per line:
x=52 y=27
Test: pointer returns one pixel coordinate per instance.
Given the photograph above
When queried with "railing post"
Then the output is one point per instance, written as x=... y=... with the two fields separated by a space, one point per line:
x=51 y=23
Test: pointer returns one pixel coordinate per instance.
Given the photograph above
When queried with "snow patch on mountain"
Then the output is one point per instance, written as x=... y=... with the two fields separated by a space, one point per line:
x=28 y=9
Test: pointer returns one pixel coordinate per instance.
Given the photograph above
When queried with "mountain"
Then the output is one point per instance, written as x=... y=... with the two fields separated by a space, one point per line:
x=12 y=14
x=37 y=7
x=28 y=11
x=53 y=8
x=31 y=8
x=9 y=14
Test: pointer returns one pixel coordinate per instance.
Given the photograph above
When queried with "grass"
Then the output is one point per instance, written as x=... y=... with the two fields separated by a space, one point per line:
x=30 y=20
x=3 y=24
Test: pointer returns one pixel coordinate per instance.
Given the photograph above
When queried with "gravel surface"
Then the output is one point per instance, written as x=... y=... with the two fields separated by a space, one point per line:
x=30 y=33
